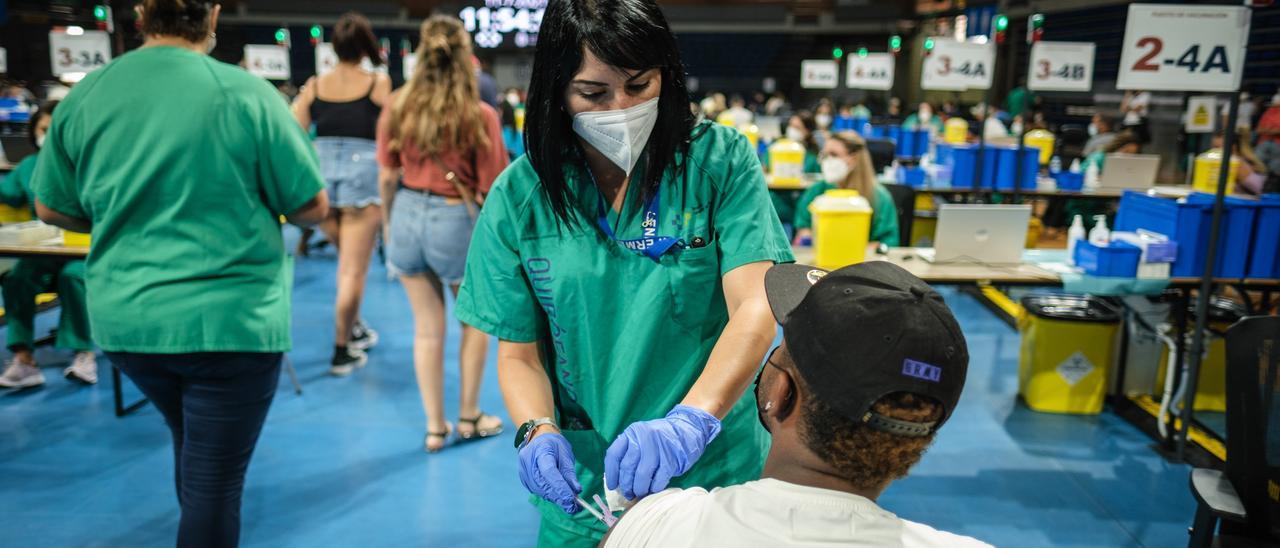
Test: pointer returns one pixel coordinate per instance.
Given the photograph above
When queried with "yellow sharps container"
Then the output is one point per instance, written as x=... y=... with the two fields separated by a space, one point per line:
x=956 y=131
x=841 y=228
x=786 y=162
x=1068 y=345
x=1211 y=389
x=1205 y=174
x=10 y=214
x=1044 y=140
x=753 y=135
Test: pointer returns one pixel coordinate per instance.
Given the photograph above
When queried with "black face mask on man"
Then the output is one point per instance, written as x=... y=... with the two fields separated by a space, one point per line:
x=768 y=405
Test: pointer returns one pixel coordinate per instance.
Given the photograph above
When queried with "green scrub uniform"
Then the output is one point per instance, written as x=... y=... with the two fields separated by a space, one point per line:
x=935 y=122
x=624 y=338
x=31 y=277
x=183 y=164
x=884 y=216
x=784 y=201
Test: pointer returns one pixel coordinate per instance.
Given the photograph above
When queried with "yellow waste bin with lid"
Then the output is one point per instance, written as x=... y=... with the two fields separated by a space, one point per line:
x=1068 y=347
x=1211 y=389
x=841 y=228
x=786 y=163
x=1042 y=139
x=1205 y=173
x=956 y=131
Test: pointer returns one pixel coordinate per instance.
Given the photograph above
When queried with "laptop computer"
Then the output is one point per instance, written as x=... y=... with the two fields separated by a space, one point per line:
x=1129 y=171
x=982 y=234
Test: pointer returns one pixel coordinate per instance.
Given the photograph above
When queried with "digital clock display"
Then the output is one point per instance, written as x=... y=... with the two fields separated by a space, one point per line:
x=499 y=23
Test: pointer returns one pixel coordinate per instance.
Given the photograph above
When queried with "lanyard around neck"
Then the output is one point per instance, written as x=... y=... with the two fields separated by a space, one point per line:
x=650 y=244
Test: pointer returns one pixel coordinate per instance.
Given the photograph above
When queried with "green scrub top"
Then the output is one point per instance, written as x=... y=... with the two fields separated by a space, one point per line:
x=624 y=338
x=15 y=189
x=884 y=215
x=913 y=122
x=784 y=201
x=184 y=165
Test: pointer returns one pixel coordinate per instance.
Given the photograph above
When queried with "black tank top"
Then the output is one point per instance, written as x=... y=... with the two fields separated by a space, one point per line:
x=358 y=118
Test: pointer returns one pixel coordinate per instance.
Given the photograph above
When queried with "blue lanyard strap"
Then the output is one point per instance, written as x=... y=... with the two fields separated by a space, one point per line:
x=650 y=244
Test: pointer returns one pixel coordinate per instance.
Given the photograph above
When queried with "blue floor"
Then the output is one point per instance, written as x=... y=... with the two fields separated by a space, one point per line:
x=342 y=464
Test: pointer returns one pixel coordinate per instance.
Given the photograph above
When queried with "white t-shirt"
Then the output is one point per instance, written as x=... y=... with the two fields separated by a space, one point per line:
x=768 y=513
x=1138 y=107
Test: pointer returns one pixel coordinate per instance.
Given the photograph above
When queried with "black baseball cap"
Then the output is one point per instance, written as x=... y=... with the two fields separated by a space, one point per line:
x=865 y=331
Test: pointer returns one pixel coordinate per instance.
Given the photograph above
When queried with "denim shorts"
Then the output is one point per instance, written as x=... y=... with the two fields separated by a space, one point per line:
x=428 y=236
x=350 y=169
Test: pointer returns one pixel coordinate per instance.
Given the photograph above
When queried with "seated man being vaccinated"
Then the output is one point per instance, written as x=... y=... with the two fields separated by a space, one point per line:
x=871 y=366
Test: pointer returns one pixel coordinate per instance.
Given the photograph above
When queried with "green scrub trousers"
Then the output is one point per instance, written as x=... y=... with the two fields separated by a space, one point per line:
x=31 y=277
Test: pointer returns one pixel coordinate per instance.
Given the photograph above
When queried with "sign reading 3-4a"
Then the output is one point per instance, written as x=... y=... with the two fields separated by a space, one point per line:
x=82 y=52
x=1184 y=47
x=958 y=66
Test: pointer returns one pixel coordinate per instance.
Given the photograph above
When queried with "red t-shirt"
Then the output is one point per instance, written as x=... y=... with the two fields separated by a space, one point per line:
x=1270 y=120
x=475 y=169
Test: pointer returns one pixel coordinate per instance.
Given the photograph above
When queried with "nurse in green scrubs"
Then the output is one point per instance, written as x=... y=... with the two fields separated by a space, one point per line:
x=802 y=129
x=847 y=164
x=33 y=276
x=621 y=264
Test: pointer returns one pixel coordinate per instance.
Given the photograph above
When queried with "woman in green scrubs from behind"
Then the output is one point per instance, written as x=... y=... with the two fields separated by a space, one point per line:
x=621 y=264
x=32 y=276
x=846 y=163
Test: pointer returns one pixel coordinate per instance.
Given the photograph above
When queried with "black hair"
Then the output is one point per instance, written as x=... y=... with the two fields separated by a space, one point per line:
x=353 y=39
x=45 y=109
x=186 y=19
x=628 y=34
x=811 y=128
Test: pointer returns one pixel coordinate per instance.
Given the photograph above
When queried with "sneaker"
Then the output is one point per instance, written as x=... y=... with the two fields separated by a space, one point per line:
x=21 y=375
x=346 y=360
x=362 y=336
x=83 y=369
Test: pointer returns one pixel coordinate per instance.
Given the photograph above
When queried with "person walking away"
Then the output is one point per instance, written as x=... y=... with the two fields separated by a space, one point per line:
x=181 y=166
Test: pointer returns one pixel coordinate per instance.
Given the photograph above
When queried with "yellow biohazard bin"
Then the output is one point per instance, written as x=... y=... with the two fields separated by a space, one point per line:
x=1042 y=139
x=1068 y=345
x=1211 y=389
x=786 y=163
x=1204 y=176
x=956 y=131
x=841 y=228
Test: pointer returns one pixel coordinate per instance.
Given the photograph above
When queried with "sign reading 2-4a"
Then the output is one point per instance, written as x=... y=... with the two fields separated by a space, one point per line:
x=1184 y=48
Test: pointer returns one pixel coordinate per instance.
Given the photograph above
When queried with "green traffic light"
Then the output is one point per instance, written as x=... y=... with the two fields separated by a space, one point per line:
x=862 y=52
x=100 y=13
x=315 y=31
x=280 y=35
x=928 y=44
x=837 y=52
x=895 y=42
x=1002 y=23
x=1037 y=20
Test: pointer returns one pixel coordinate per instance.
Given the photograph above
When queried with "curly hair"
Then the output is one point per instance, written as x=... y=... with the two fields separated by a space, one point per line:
x=865 y=457
x=439 y=108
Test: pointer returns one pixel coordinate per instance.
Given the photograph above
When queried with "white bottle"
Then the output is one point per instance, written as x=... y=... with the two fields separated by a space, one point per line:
x=1074 y=234
x=1055 y=164
x=1091 y=176
x=1075 y=166
x=1099 y=235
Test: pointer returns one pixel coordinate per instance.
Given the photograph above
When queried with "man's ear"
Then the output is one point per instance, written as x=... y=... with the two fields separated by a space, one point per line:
x=782 y=393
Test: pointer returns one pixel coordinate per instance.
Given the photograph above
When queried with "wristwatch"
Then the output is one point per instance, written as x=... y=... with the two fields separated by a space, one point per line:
x=526 y=430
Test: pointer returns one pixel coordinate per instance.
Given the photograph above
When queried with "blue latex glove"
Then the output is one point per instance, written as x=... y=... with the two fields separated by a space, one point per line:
x=648 y=454
x=546 y=470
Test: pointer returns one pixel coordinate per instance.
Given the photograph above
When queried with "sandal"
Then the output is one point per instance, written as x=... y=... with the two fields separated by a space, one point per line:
x=444 y=439
x=476 y=432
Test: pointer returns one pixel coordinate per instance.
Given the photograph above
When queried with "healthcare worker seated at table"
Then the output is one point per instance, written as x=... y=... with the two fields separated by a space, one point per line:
x=33 y=276
x=621 y=264
x=847 y=164
x=803 y=129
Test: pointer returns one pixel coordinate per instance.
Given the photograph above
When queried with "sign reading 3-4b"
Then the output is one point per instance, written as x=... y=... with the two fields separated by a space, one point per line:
x=1184 y=47
x=958 y=66
x=71 y=53
x=1061 y=66
x=875 y=71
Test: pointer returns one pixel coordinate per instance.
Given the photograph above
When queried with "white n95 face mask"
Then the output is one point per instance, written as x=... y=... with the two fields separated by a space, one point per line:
x=795 y=134
x=834 y=170
x=40 y=142
x=620 y=135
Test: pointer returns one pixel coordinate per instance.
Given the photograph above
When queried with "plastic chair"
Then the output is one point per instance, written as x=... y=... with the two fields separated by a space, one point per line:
x=882 y=152
x=1241 y=497
x=904 y=199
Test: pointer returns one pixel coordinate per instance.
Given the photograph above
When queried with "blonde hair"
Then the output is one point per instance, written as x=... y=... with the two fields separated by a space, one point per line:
x=862 y=177
x=439 y=107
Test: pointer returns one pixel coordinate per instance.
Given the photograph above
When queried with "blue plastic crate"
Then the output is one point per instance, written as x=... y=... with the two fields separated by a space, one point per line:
x=1235 y=240
x=1006 y=157
x=1069 y=181
x=913 y=176
x=1264 y=262
x=1183 y=222
x=862 y=126
x=842 y=123
x=913 y=143
x=964 y=161
x=1116 y=260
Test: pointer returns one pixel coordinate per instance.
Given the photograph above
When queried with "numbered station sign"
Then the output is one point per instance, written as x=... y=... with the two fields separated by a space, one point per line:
x=72 y=53
x=1184 y=48
x=958 y=66
x=1061 y=66
x=875 y=71
x=819 y=74
x=268 y=61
